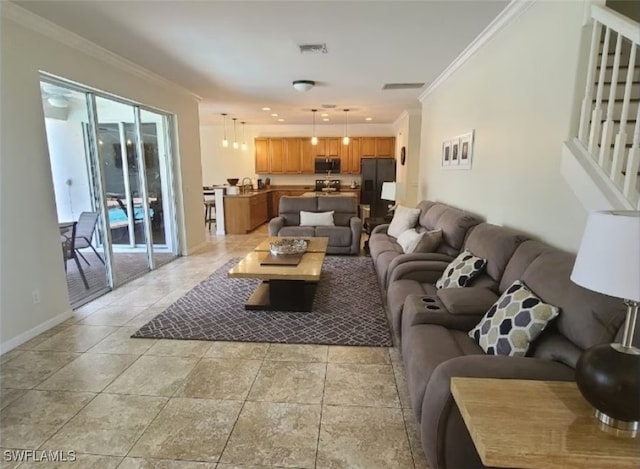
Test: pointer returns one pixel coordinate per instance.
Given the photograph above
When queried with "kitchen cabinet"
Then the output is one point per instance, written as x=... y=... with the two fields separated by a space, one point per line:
x=292 y=157
x=350 y=157
x=262 y=155
x=245 y=213
x=296 y=155
x=378 y=147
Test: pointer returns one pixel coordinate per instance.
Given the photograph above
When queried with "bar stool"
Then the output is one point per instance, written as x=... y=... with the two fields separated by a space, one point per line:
x=209 y=212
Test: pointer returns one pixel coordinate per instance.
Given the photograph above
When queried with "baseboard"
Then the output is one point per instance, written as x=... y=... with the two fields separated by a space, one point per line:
x=31 y=333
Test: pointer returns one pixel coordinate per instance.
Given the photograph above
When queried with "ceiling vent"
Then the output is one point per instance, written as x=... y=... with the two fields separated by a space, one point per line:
x=328 y=106
x=402 y=86
x=313 y=48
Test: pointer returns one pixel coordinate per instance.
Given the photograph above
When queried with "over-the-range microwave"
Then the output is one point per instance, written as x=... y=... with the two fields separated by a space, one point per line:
x=325 y=165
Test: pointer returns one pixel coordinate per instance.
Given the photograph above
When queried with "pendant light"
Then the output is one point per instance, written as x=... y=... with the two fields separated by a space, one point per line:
x=235 y=135
x=225 y=142
x=314 y=139
x=345 y=139
x=244 y=143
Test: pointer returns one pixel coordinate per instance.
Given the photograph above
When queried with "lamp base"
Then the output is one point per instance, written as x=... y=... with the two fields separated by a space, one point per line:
x=608 y=376
x=618 y=424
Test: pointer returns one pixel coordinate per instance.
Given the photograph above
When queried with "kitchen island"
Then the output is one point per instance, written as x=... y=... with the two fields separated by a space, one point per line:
x=246 y=211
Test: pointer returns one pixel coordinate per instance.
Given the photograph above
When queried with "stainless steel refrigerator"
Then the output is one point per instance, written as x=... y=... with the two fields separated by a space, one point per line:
x=374 y=172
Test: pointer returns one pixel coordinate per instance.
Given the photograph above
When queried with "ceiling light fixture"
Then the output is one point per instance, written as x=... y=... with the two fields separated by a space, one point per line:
x=345 y=139
x=314 y=139
x=244 y=142
x=280 y=120
x=58 y=101
x=326 y=119
x=303 y=85
x=324 y=114
x=368 y=118
x=225 y=142
x=235 y=139
x=275 y=114
x=266 y=108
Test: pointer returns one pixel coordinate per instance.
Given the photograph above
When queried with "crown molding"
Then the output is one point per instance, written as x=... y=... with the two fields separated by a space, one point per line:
x=53 y=31
x=406 y=113
x=510 y=13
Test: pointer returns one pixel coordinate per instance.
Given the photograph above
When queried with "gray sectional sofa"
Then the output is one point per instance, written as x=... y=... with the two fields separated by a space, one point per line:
x=433 y=325
x=344 y=237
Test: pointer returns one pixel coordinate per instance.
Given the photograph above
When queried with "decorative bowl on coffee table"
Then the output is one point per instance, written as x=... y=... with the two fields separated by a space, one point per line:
x=283 y=247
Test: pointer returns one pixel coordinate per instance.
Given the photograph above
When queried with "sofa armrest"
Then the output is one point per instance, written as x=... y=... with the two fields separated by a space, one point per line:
x=444 y=435
x=380 y=228
x=474 y=301
x=355 y=223
x=421 y=271
x=413 y=257
x=275 y=225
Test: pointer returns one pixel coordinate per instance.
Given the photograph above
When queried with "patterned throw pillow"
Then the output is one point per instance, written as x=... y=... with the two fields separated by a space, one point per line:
x=461 y=271
x=513 y=322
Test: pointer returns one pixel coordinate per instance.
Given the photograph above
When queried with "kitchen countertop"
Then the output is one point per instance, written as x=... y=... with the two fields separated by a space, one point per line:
x=253 y=193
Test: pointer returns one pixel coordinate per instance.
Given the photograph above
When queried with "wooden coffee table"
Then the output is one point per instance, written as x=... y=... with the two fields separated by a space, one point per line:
x=283 y=287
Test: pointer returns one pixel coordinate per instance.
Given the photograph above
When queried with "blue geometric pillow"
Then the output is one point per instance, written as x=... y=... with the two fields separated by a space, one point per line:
x=461 y=271
x=513 y=322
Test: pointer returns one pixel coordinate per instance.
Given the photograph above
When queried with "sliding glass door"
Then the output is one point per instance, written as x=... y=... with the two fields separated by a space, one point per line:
x=127 y=153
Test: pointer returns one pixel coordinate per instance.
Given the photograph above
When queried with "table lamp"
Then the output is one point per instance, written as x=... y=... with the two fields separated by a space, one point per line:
x=608 y=262
x=389 y=193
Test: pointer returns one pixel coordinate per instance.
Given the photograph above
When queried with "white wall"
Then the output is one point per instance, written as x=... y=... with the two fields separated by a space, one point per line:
x=220 y=163
x=519 y=94
x=30 y=254
x=408 y=128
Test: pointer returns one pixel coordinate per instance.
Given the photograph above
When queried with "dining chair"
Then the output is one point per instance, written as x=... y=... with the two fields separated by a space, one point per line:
x=67 y=240
x=85 y=228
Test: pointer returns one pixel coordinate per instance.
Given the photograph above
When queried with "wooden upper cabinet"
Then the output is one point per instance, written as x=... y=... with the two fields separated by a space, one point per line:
x=262 y=155
x=320 y=149
x=368 y=147
x=307 y=156
x=385 y=146
x=292 y=155
x=333 y=147
x=276 y=155
x=355 y=155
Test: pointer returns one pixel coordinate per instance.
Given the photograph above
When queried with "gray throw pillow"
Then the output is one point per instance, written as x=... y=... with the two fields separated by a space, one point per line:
x=513 y=322
x=428 y=241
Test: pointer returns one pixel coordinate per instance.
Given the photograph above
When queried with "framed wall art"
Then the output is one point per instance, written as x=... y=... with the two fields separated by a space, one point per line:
x=466 y=150
x=457 y=152
x=446 y=153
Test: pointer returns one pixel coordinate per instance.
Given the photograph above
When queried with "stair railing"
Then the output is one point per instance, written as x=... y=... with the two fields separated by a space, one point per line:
x=616 y=153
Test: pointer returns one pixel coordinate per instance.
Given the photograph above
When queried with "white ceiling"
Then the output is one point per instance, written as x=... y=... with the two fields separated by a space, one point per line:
x=240 y=56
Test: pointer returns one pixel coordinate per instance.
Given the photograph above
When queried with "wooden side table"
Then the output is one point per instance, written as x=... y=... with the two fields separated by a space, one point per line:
x=369 y=224
x=534 y=424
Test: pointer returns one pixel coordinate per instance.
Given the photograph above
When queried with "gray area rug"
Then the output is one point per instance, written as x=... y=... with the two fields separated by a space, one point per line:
x=347 y=310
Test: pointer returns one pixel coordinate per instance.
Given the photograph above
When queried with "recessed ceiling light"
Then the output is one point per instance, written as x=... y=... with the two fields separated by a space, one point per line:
x=266 y=108
x=324 y=115
x=274 y=115
x=368 y=118
x=326 y=119
x=280 y=120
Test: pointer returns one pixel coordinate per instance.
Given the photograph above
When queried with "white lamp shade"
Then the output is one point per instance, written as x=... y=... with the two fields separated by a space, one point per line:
x=608 y=260
x=388 y=191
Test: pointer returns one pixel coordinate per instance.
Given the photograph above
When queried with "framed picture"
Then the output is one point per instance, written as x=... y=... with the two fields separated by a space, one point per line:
x=466 y=150
x=455 y=152
x=446 y=153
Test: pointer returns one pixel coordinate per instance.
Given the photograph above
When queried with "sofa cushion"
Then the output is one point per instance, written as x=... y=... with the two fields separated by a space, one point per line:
x=397 y=294
x=403 y=219
x=513 y=322
x=455 y=225
x=380 y=242
x=316 y=218
x=297 y=231
x=461 y=271
x=429 y=218
x=338 y=235
x=344 y=208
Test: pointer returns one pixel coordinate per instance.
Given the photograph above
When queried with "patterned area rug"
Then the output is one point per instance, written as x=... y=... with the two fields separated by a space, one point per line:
x=347 y=310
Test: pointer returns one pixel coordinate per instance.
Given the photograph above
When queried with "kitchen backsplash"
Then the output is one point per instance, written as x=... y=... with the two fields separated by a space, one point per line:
x=310 y=179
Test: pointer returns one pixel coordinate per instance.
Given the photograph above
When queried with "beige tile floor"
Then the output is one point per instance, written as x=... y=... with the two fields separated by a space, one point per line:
x=86 y=386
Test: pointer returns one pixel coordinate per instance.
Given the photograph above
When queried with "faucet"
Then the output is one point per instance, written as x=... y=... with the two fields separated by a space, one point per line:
x=244 y=186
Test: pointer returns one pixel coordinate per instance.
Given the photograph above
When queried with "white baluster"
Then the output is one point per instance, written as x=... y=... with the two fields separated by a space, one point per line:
x=604 y=159
x=587 y=102
x=630 y=188
x=596 y=115
x=621 y=138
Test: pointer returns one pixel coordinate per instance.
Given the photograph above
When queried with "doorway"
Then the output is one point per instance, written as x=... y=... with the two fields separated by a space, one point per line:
x=111 y=163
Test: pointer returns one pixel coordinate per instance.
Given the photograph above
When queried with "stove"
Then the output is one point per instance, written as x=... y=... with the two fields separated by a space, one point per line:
x=327 y=185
